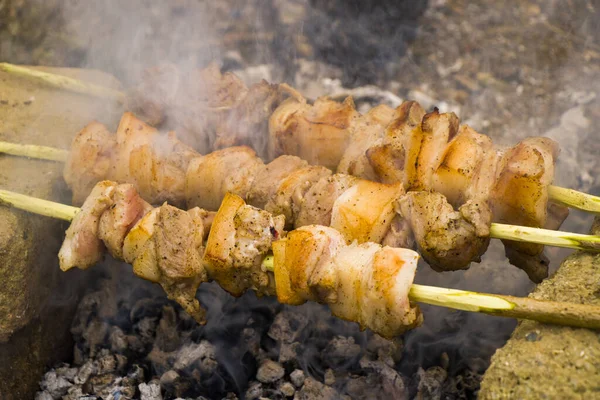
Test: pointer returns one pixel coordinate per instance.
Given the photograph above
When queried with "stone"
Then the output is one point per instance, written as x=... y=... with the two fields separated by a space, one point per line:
x=37 y=299
x=561 y=362
x=270 y=371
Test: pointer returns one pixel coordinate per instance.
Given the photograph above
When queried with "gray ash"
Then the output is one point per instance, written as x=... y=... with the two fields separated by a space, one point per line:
x=131 y=342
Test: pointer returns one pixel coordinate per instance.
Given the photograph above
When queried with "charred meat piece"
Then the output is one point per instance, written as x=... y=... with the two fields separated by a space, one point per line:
x=365 y=283
x=165 y=247
x=318 y=202
x=239 y=239
x=156 y=164
x=448 y=240
x=364 y=132
x=82 y=247
x=394 y=158
x=460 y=161
x=520 y=193
x=438 y=129
x=89 y=160
x=126 y=210
x=289 y=197
x=365 y=211
x=270 y=176
x=210 y=177
x=317 y=133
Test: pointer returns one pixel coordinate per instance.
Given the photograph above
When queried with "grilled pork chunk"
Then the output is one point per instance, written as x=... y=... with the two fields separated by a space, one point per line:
x=240 y=237
x=270 y=176
x=82 y=247
x=210 y=177
x=89 y=160
x=317 y=133
x=365 y=283
x=115 y=223
x=448 y=240
x=366 y=130
x=165 y=247
x=318 y=202
x=394 y=157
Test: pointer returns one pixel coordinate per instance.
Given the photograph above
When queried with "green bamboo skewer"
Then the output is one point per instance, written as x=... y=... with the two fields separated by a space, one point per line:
x=62 y=82
x=568 y=314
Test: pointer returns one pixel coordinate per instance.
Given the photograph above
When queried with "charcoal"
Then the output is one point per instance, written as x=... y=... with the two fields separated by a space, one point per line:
x=329 y=377
x=106 y=362
x=288 y=353
x=168 y=378
x=43 y=396
x=431 y=382
x=388 y=381
x=167 y=336
x=315 y=390
x=55 y=385
x=135 y=343
x=297 y=377
x=94 y=336
x=287 y=389
x=161 y=361
x=150 y=391
x=85 y=371
x=117 y=340
x=100 y=384
x=270 y=371
x=254 y=391
x=252 y=339
x=146 y=329
x=75 y=392
x=387 y=351
x=67 y=372
x=202 y=354
x=287 y=326
x=342 y=351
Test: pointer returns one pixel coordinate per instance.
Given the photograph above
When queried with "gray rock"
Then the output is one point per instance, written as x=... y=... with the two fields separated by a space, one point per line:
x=270 y=371
x=56 y=385
x=150 y=391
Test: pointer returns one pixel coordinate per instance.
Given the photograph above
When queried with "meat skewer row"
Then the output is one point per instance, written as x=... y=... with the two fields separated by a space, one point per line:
x=347 y=141
x=366 y=283
x=164 y=169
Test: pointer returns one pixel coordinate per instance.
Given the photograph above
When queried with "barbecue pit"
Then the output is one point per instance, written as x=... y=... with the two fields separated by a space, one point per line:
x=508 y=72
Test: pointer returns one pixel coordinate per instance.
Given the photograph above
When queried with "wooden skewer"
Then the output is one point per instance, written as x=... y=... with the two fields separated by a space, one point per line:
x=64 y=82
x=569 y=314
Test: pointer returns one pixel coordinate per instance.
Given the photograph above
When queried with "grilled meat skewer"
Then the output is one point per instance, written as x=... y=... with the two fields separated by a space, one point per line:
x=381 y=279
